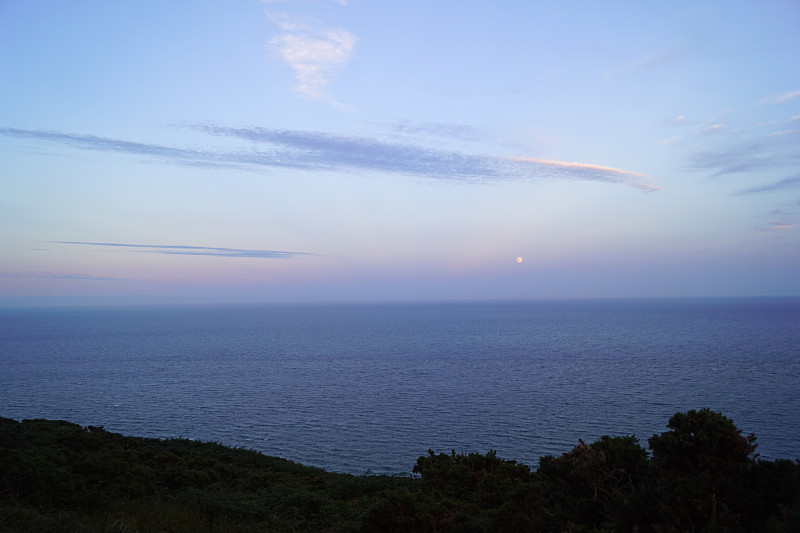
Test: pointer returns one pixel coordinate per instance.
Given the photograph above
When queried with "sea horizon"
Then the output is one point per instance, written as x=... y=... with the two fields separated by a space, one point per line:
x=363 y=386
x=389 y=301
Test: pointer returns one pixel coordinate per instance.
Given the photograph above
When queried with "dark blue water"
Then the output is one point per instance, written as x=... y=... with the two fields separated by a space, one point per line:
x=371 y=387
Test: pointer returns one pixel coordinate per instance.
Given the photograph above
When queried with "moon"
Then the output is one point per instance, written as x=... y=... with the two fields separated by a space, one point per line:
x=519 y=260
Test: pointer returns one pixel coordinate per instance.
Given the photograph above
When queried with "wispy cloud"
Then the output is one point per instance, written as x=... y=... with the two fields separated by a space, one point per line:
x=644 y=63
x=359 y=153
x=192 y=250
x=105 y=144
x=40 y=274
x=781 y=98
x=783 y=132
x=766 y=151
x=776 y=225
x=315 y=55
x=679 y=120
x=712 y=128
x=441 y=130
x=790 y=183
x=319 y=151
x=614 y=175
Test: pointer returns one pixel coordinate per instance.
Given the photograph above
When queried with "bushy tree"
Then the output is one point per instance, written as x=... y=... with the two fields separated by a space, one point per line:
x=486 y=493
x=699 y=464
x=595 y=485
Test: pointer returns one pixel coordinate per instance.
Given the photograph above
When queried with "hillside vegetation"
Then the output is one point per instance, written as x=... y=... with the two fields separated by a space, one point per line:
x=700 y=475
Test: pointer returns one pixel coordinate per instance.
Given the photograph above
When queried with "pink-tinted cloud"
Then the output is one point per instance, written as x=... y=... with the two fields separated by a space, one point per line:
x=314 y=55
x=776 y=225
x=617 y=175
x=320 y=151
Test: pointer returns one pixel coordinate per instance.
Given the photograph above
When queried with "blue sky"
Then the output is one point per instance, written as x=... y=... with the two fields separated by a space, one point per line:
x=176 y=152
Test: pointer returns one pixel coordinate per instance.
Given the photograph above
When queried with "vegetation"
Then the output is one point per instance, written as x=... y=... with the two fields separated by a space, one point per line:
x=702 y=476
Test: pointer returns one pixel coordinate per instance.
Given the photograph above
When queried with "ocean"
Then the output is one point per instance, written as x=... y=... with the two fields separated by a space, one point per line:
x=370 y=387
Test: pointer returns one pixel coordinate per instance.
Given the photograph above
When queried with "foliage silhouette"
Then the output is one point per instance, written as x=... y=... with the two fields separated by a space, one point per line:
x=700 y=464
x=703 y=476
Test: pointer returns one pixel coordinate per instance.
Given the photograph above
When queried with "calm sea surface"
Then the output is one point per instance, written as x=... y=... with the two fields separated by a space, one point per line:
x=353 y=388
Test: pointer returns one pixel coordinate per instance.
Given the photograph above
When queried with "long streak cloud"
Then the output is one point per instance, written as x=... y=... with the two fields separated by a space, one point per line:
x=39 y=274
x=268 y=148
x=193 y=250
x=775 y=150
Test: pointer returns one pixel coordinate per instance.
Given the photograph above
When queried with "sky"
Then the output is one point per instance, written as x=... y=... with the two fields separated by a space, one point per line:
x=332 y=150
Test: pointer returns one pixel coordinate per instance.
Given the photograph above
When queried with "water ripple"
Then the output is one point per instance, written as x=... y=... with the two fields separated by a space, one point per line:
x=357 y=388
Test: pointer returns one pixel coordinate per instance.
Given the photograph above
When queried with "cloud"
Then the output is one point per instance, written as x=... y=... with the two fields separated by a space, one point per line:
x=783 y=132
x=644 y=63
x=577 y=170
x=315 y=56
x=766 y=151
x=332 y=152
x=38 y=274
x=792 y=182
x=105 y=144
x=462 y=132
x=776 y=225
x=318 y=151
x=781 y=98
x=713 y=128
x=193 y=250
x=449 y=132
